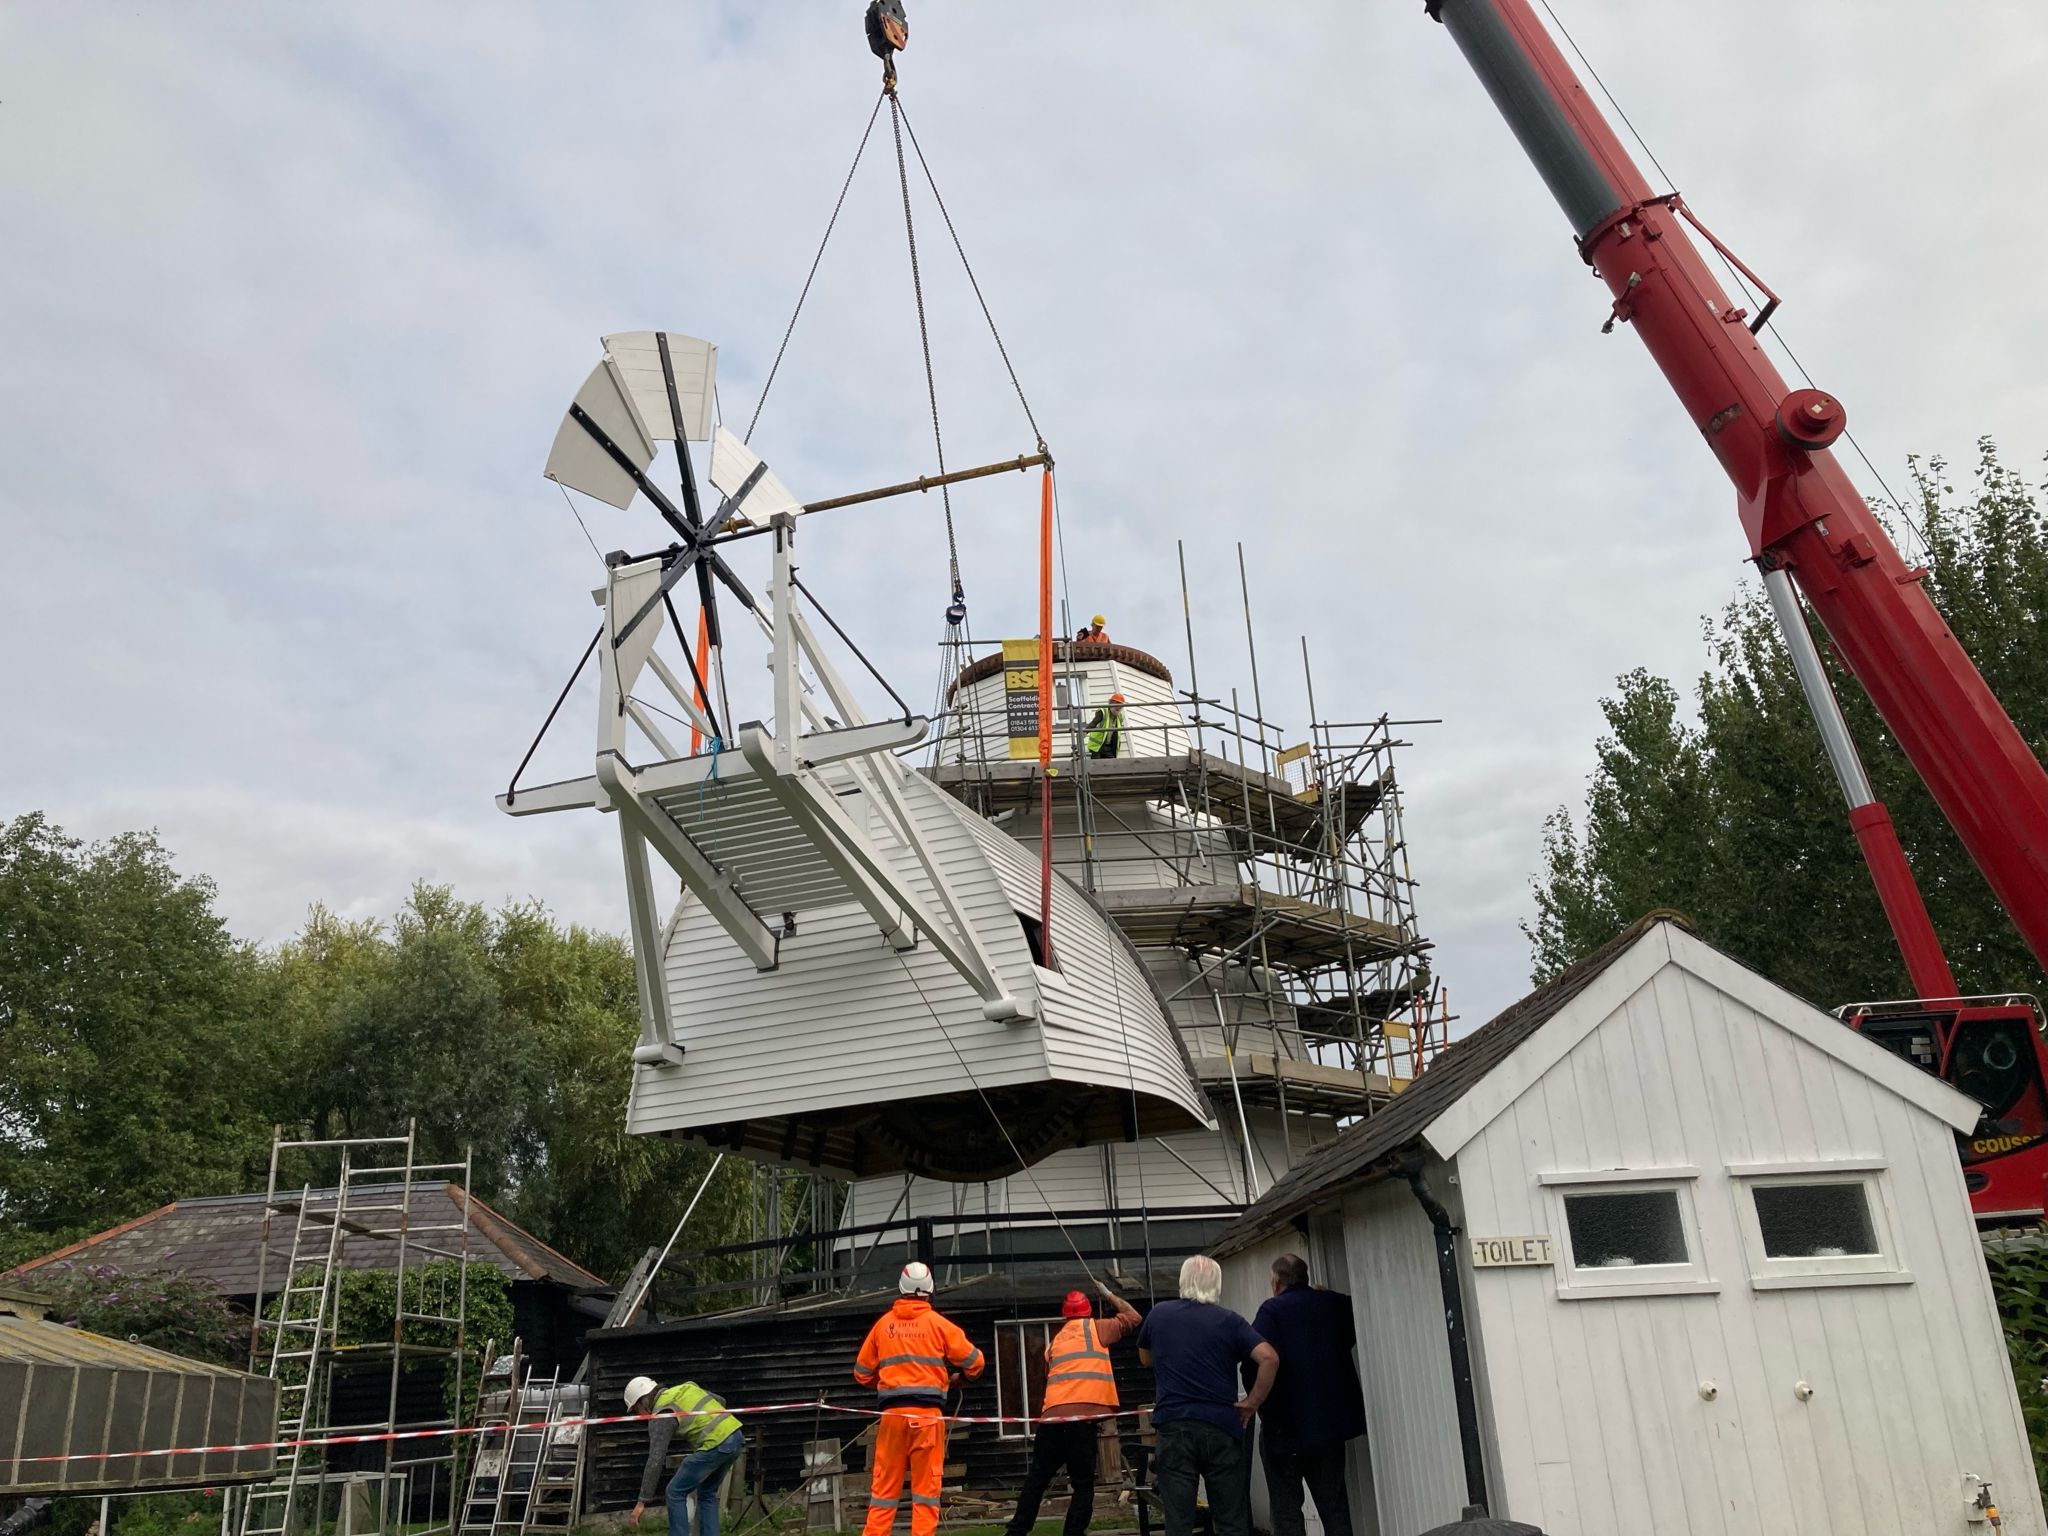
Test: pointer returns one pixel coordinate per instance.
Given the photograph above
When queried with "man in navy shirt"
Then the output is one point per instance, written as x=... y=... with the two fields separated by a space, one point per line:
x=1315 y=1405
x=1194 y=1347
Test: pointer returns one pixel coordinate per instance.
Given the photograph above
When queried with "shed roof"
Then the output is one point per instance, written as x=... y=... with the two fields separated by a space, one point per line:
x=1352 y=1156
x=217 y=1238
x=88 y=1400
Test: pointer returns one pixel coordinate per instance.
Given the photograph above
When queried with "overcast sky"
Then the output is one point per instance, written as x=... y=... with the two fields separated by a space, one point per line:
x=292 y=298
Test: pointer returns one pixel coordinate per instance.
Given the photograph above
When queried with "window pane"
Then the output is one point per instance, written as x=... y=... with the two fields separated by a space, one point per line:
x=1618 y=1230
x=1814 y=1221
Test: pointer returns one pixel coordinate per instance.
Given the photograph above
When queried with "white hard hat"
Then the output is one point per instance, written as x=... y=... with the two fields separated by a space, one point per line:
x=640 y=1387
x=916 y=1279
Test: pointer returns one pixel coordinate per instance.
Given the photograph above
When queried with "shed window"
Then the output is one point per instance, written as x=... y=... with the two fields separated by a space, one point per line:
x=1817 y=1225
x=1628 y=1233
x=1814 y=1221
x=1619 y=1231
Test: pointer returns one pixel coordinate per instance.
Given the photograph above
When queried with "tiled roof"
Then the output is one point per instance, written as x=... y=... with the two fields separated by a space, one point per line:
x=1353 y=1158
x=218 y=1239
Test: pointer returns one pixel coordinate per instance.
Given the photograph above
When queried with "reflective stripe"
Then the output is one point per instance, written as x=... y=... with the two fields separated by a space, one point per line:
x=918 y=1498
x=875 y=1503
x=938 y=1360
x=930 y=1395
x=973 y=1359
x=1077 y=1354
x=1067 y=1376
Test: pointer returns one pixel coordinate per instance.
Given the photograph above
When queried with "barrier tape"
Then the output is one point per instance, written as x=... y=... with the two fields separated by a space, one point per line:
x=815 y=1405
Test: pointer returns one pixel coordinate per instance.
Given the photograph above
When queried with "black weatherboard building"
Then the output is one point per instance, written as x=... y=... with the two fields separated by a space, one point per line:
x=803 y=1353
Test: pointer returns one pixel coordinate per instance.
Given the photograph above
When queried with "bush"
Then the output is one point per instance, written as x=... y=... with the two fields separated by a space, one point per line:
x=160 y=1308
x=2018 y=1263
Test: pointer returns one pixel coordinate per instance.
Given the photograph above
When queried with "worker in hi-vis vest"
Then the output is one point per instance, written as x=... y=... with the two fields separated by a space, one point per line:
x=712 y=1442
x=908 y=1358
x=1080 y=1389
x=1107 y=728
x=1094 y=631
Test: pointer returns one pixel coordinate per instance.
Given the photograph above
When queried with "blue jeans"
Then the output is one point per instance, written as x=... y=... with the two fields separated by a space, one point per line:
x=701 y=1473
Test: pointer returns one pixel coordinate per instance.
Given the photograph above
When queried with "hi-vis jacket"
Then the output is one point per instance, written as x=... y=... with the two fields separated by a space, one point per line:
x=700 y=1424
x=1078 y=1372
x=907 y=1353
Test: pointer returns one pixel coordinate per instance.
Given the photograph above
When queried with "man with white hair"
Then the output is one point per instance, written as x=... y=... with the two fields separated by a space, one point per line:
x=1194 y=1346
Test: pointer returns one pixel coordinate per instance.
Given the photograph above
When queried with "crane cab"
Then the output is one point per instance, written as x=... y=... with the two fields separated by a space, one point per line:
x=1992 y=1049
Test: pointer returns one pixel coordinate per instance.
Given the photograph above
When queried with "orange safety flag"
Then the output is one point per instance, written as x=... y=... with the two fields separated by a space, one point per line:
x=697 y=686
x=1045 y=665
x=1045 y=656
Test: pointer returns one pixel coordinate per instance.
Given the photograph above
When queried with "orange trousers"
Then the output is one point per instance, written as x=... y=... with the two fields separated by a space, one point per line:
x=912 y=1440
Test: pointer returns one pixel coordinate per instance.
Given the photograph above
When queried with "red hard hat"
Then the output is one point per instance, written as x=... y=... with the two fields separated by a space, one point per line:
x=1077 y=1305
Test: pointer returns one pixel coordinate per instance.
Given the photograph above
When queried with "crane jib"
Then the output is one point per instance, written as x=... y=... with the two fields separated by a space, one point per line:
x=1800 y=511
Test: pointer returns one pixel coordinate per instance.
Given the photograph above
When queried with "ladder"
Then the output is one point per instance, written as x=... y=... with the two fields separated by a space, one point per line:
x=558 y=1479
x=518 y=1451
x=373 y=1204
x=300 y=1338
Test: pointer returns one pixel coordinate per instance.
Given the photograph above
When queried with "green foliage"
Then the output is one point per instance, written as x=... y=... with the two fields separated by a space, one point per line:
x=1734 y=817
x=164 y=1311
x=144 y=1055
x=366 y=1301
x=2019 y=1278
x=127 y=1063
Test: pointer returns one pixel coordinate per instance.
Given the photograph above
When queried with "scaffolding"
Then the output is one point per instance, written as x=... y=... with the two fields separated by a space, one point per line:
x=369 y=1219
x=1288 y=882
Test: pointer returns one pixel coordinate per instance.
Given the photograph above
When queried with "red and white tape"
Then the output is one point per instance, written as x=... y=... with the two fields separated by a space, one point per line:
x=323 y=1441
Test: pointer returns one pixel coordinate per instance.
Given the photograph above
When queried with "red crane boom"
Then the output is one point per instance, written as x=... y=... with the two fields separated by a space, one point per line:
x=1803 y=517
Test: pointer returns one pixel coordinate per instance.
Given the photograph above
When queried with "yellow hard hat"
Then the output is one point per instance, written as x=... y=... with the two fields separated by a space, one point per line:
x=1098 y=621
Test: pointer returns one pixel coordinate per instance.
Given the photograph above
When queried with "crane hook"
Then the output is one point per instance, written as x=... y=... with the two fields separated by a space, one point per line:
x=888 y=30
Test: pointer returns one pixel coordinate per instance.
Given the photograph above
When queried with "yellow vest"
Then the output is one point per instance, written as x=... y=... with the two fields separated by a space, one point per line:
x=711 y=1424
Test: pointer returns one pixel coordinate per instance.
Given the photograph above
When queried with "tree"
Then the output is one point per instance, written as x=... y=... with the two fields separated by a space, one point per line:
x=504 y=1032
x=1735 y=819
x=127 y=1062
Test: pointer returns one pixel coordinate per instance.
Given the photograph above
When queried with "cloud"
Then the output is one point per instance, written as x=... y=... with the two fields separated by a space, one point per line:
x=293 y=299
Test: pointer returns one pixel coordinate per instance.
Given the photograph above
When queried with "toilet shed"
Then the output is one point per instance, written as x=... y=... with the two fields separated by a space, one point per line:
x=1663 y=1248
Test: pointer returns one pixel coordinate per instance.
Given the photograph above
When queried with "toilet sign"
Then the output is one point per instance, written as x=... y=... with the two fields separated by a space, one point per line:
x=1498 y=1252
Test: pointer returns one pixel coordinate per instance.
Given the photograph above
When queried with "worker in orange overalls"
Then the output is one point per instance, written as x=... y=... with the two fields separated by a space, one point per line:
x=908 y=1359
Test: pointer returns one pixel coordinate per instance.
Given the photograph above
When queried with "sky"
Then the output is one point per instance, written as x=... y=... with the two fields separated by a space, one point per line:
x=293 y=297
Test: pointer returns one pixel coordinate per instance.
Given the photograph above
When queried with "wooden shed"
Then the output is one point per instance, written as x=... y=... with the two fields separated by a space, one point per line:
x=1662 y=1247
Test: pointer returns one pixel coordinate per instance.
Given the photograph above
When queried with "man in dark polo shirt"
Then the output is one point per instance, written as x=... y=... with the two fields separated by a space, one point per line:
x=1194 y=1346
x=1315 y=1405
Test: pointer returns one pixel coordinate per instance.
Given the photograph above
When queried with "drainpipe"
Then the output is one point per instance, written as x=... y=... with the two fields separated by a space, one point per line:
x=1454 y=1336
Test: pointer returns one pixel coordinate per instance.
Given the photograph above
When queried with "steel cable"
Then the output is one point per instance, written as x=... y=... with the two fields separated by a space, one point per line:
x=809 y=277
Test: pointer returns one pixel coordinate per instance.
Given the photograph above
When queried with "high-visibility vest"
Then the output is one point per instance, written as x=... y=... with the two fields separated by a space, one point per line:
x=1112 y=718
x=1077 y=1367
x=906 y=1355
x=701 y=1422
